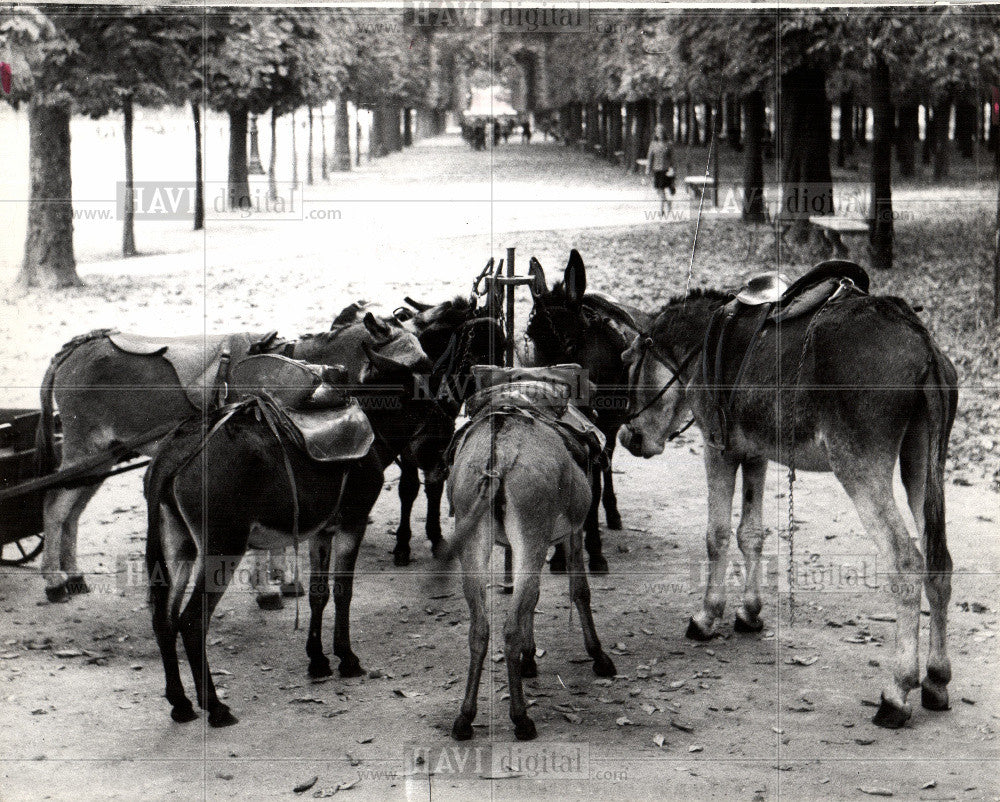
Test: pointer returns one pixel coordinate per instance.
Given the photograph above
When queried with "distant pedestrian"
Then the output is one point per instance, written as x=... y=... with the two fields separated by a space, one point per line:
x=526 y=133
x=660 y=161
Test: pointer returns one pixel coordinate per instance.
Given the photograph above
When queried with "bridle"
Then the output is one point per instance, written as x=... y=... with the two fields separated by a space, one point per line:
x=668 y=360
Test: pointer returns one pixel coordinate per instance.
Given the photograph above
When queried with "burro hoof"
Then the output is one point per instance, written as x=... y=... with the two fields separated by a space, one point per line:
x=183 y=713
x=76 y=584
x=933 y=697
x=292 y=590
x=350 y=667
x=57 y=594
x=613 y=520
x=320 y=668
x=745 y=627
x=270 y=601
x=524 y=729
x=222 y=717
x=891 y=716
x=401 y=558
x=598 y=565
x=506 y=590
x=604 y=667
x=529 y=668
x=695 y=632
x=461 y=730
x=557 y=565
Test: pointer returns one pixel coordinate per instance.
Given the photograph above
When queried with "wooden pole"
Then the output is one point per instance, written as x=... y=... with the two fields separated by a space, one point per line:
x=996 y=250
x=509 y=312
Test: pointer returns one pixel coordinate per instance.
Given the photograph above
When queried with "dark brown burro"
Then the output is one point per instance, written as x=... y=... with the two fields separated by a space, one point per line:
x=246 y=484
x=515 y=483
x=827 y=379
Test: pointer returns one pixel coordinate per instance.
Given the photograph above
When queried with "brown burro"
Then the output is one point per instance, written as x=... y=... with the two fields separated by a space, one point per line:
x=265 y=476
x=519 y=478
x=821 y=377
x=119 y=394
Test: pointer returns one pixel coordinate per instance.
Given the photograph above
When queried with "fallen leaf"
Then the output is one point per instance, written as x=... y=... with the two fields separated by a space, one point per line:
x=926 y=785
x=223 y=775
x=802 y=661
x=696 y=748
x=623 y=721
x=682 y=725
x=66 y=653
x=304 y=700
x=572 y=718
x=876 y=791
x=659 y=740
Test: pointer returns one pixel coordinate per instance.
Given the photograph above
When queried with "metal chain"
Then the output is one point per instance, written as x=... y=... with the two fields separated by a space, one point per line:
x=810 y=330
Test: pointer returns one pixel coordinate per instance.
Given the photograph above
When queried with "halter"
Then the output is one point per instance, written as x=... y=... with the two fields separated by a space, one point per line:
x=647 y=345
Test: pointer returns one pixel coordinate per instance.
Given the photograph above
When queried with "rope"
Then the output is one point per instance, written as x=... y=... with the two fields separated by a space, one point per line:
x=701 y=202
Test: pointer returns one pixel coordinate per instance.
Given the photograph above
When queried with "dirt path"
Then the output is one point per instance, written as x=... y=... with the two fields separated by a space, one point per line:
x=731 y=713
x=98 y=720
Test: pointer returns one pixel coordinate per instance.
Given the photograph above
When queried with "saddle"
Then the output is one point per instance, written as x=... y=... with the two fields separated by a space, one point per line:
x=307 y=404
x=201 y=362
x=765 y=300
x=552 y=395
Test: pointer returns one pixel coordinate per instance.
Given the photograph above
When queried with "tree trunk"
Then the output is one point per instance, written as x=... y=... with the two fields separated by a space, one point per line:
x=324 y=166
x=807 y=185
x=48 y=247
x=128 y=226
x=342 y=137
x=966 y=126
x=734 y=133
x=942 y=147
x=272 y=184
x=709 y=122
x=845 y=138
x=239 y=180
x=642 y=132
x=753 y=159
x=407 y=127
x=880 y=213
x=628 y=137
x=614 y=129
x=309 y=148
x=295 y=154
x=199 y=177
x=907 y=133
x=686 y=138
x=862 y=134
x=679 y=132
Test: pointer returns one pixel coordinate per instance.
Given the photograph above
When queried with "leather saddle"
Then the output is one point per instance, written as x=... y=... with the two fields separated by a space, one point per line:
x=555 y=395
x=201 y=362
x=309 y=405
x=765 y=300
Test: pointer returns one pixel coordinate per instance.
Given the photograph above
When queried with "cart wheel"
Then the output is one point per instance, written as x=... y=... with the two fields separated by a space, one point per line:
x=18 y=552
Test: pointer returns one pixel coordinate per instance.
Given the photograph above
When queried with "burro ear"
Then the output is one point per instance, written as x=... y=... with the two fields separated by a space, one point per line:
x=575 y=278
x=630 y=354
x=376 y=327
x=420 y=307
x=380 y=363
x=539 y=285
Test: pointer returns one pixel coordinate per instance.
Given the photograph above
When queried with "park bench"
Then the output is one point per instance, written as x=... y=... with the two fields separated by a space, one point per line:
x=831 y=229
x=619 y=156
x=698 y=184
x=640 y=165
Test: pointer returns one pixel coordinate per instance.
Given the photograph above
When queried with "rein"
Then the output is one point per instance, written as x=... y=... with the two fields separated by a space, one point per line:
x=647 y=345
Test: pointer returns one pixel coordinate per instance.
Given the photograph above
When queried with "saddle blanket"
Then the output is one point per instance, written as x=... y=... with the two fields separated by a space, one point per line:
x=195 y=359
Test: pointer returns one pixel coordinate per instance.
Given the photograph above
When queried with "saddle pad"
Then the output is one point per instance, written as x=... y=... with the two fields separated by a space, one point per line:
x=289 y=382
x=195 y=359
x=326 y=435
x=553 y=387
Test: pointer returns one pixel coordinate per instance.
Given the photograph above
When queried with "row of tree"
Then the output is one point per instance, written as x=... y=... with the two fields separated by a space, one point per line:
x=792 y=61
x=99 y=60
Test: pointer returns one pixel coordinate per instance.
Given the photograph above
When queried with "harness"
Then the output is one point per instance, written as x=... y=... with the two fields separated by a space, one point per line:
x=647 y=345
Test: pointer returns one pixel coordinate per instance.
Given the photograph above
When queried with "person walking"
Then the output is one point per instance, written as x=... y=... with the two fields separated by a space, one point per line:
x=660 y=161
x=526 y=132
